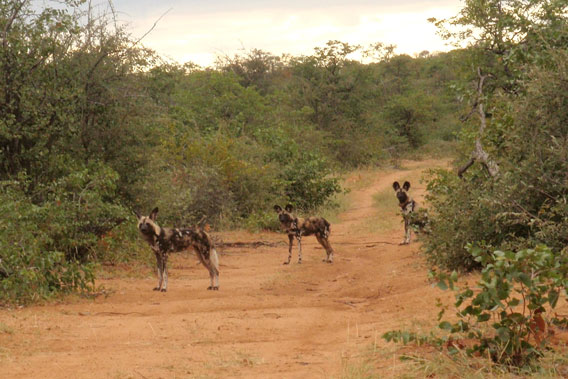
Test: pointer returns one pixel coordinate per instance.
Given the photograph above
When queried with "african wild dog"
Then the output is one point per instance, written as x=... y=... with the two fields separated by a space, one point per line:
x=166 y=240
x=297 y=228
x=407 y=206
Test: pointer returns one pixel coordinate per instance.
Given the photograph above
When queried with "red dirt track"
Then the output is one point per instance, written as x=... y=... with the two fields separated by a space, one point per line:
x=267 y=320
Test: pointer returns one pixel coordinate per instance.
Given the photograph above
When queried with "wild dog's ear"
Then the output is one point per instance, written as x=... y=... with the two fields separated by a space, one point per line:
x=406 y=186
x=396 y=186
x=278 y=208
x=154 y=214
x=289 y=208
x=138 y=216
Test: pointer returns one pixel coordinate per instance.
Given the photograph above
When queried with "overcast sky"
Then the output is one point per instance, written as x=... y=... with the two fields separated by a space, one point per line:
x=198 y=30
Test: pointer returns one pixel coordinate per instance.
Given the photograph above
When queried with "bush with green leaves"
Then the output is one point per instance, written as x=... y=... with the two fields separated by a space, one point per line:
x=51 y=246
x=504 y=316
x=526 y=204
x=29 y=269
x=308 y=181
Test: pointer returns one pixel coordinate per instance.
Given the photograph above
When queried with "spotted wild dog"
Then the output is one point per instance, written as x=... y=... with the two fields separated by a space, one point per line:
x=407 y=206
x=297 y=228
x=166 y=240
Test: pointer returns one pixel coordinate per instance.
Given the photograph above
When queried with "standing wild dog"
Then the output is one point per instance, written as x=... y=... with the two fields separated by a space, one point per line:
x=166 y=240
x=407 y=206
x=296 y=227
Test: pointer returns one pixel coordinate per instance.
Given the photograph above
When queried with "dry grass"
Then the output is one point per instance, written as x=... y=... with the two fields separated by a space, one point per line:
x=413 y=361
x=386 y=204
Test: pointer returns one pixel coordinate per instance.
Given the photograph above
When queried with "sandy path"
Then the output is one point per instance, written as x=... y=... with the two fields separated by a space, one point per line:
x=268 y=320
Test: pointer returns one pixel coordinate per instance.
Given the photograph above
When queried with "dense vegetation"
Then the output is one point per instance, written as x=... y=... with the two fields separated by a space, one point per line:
x=506 y=211
x=93 y=125
x=512 y=190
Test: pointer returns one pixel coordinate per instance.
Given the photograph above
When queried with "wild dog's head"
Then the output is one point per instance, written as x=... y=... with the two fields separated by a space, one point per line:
x=401 y=192
x=147 y=224
x=285 y=215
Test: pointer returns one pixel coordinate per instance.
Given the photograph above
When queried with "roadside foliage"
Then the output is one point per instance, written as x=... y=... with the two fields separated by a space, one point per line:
x=503 y=208
x=93 y=126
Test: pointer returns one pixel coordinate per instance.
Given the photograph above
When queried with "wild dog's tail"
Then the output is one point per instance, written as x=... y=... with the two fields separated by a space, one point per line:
x=214 y=258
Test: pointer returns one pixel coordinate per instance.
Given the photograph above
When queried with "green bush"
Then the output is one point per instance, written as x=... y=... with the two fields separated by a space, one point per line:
x=29 y=269
x=308 y=181
x=526 y=204
x=51 y=247
x=503 y=316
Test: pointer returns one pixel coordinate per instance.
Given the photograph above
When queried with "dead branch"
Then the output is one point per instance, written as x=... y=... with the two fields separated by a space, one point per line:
x=257 y=244
x=466 y=166
x=254 y=244
x=16 y=11
x=150 y=30
x=479 y=154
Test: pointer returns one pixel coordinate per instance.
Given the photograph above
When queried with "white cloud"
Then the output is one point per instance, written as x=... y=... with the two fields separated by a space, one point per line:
x=200 y=37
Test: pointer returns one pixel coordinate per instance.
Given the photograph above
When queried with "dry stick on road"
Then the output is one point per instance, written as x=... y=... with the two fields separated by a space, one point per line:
x=478 y=154
x=256 y=244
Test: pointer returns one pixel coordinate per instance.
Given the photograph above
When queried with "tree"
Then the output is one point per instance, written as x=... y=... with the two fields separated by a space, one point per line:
x=71 y=136
x=519 y=54
x=256 y=68
x=503 y=36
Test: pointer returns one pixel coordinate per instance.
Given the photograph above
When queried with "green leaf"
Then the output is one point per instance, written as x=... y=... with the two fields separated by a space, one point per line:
x=445 y=325
x=553 y=296
x=454 y=276
x=525 y=279
x=504 y=334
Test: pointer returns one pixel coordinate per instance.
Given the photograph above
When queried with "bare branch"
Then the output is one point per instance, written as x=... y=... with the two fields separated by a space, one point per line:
x=479 y=154
x=17 y=9
x=466 y=166
x=150 y=30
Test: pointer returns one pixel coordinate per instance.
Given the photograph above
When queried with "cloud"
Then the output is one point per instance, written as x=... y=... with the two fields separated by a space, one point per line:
x=201 y=35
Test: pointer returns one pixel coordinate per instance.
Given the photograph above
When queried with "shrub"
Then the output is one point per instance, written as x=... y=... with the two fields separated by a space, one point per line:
x=50 y=247
x=308 y=181
x=29 y=270
x=504 y=315
x=458 y=215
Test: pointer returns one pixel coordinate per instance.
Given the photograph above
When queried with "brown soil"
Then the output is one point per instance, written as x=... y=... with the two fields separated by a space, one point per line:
x=267 y=320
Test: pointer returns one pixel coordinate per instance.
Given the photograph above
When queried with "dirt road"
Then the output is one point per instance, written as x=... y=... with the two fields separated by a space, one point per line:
x=268 y=320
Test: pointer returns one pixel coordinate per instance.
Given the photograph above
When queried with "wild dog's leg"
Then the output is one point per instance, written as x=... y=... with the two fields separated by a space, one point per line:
x=406 y=230
x=329 y=250
x=290 y=244
x=324 y=242
x=299 y=238
x=205 y=262
x=215 y=265
x=159 y=268
x=165 y=271
x=211 y=264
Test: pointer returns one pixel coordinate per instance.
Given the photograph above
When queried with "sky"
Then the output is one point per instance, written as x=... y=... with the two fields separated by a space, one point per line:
x=199 y=30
